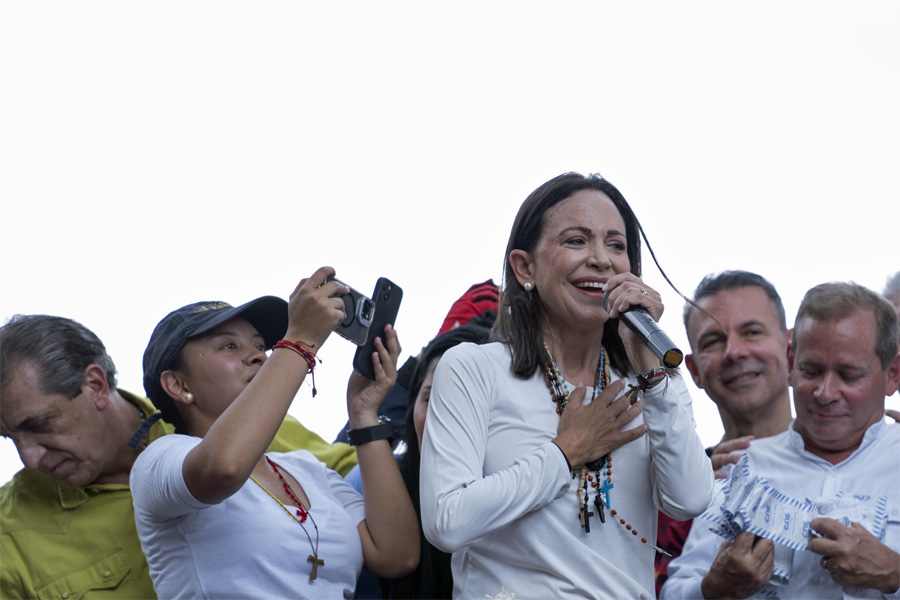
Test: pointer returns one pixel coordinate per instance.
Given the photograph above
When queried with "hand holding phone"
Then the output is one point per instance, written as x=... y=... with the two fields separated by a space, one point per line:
x=358 y=310
x=386 y=298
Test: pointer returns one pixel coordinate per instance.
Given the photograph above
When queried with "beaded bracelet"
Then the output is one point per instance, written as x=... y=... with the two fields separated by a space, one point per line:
x=307 y=355
x=651 y=378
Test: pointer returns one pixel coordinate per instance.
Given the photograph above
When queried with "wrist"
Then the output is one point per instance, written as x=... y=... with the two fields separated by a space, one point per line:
x=569 y=453
x=650 y=379
x=312 y=342
x=568 y=463
x=382 y=430
x=363 y=420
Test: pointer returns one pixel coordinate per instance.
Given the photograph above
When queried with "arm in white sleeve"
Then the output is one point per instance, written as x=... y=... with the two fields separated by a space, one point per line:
x=158 y=489
x=680 y=472
x=459 y=503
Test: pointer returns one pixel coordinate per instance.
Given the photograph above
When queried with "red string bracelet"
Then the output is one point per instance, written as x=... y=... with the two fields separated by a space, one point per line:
x=307 y=355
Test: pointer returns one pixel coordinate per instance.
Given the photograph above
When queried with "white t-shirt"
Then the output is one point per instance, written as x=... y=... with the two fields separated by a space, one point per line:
x=497 y=492
x=246 y=546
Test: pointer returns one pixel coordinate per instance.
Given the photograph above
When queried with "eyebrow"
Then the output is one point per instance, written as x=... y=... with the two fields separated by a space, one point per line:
x=32 y=422
x=715 y=328
x=589 y=231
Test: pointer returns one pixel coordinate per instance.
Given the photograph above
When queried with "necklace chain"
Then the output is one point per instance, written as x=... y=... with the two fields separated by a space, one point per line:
x=560 y=396
x=300 y=517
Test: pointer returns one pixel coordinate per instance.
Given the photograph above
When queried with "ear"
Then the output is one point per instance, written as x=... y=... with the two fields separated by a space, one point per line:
x=522 y=265
x=94 y=384
x=174 y=384
x=893 y=375
x=693 y=369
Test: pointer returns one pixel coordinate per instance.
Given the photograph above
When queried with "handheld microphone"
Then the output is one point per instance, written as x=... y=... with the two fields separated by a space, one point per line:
x=639 y=321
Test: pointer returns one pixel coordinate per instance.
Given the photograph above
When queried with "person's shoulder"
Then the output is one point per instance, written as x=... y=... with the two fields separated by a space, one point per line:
x=27 y=495
x=467 y=351
x=779 y=449
x=162 y=448
x=885 y=435
x=168 y=442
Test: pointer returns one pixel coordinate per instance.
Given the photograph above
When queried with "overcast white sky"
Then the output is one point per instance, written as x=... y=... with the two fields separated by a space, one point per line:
x=158 y=153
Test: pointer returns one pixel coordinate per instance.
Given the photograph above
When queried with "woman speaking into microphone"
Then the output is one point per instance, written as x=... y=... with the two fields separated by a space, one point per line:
x=547 y=453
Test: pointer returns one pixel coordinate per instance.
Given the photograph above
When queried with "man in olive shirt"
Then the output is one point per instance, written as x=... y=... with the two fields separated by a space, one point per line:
x=66 y=520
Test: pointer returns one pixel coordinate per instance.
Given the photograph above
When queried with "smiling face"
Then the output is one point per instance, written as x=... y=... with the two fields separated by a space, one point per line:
x=839 y=383
x=582 y=244
x=743 y=368
x=219 y=364
x=66 y=438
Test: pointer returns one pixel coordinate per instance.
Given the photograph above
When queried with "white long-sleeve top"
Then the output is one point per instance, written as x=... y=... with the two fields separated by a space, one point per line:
x=498 y=493
x=788 y=467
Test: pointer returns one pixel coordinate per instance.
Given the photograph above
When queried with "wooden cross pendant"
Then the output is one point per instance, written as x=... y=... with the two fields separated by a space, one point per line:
x=316 y=561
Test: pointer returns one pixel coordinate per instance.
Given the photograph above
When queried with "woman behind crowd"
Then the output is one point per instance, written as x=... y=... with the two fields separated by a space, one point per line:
x=537 y=473
x=218 y=517
x=432 y=578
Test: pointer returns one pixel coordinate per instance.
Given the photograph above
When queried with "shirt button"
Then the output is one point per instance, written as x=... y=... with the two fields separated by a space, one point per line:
x=107 y=574
x=65 y=595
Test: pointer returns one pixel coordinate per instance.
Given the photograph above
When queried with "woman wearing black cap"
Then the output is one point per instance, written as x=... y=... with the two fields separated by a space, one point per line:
x=218 y=517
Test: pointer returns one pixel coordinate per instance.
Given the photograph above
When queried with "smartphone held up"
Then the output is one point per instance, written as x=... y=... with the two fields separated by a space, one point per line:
x=366 y=319
x=386 y=297
x=359 y=310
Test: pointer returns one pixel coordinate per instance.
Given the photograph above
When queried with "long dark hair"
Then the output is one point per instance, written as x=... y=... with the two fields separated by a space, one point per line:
x=520 y=318
x=432 y=578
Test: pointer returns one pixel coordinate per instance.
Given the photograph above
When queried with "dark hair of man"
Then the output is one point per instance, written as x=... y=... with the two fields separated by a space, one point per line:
x=422 y=583
x=714 y=283
x=520 y=318
x=838 y=300
x=164 y=403
x=60 y=349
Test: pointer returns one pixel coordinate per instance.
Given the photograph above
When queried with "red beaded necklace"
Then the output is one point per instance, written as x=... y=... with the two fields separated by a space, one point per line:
x=301 y=515
x=560 y=396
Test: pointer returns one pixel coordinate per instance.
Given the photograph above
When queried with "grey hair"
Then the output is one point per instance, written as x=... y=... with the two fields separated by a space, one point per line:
x=838 y=300
x=61 y=349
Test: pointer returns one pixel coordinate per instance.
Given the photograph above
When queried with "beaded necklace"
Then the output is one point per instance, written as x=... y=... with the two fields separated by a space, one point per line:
x=300 y=517
x=560 y=396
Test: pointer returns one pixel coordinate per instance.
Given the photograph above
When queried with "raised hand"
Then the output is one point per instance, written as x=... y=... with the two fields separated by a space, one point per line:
x=364 y=396
x=725 y=454
x=314 y=311
x=626 y=290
